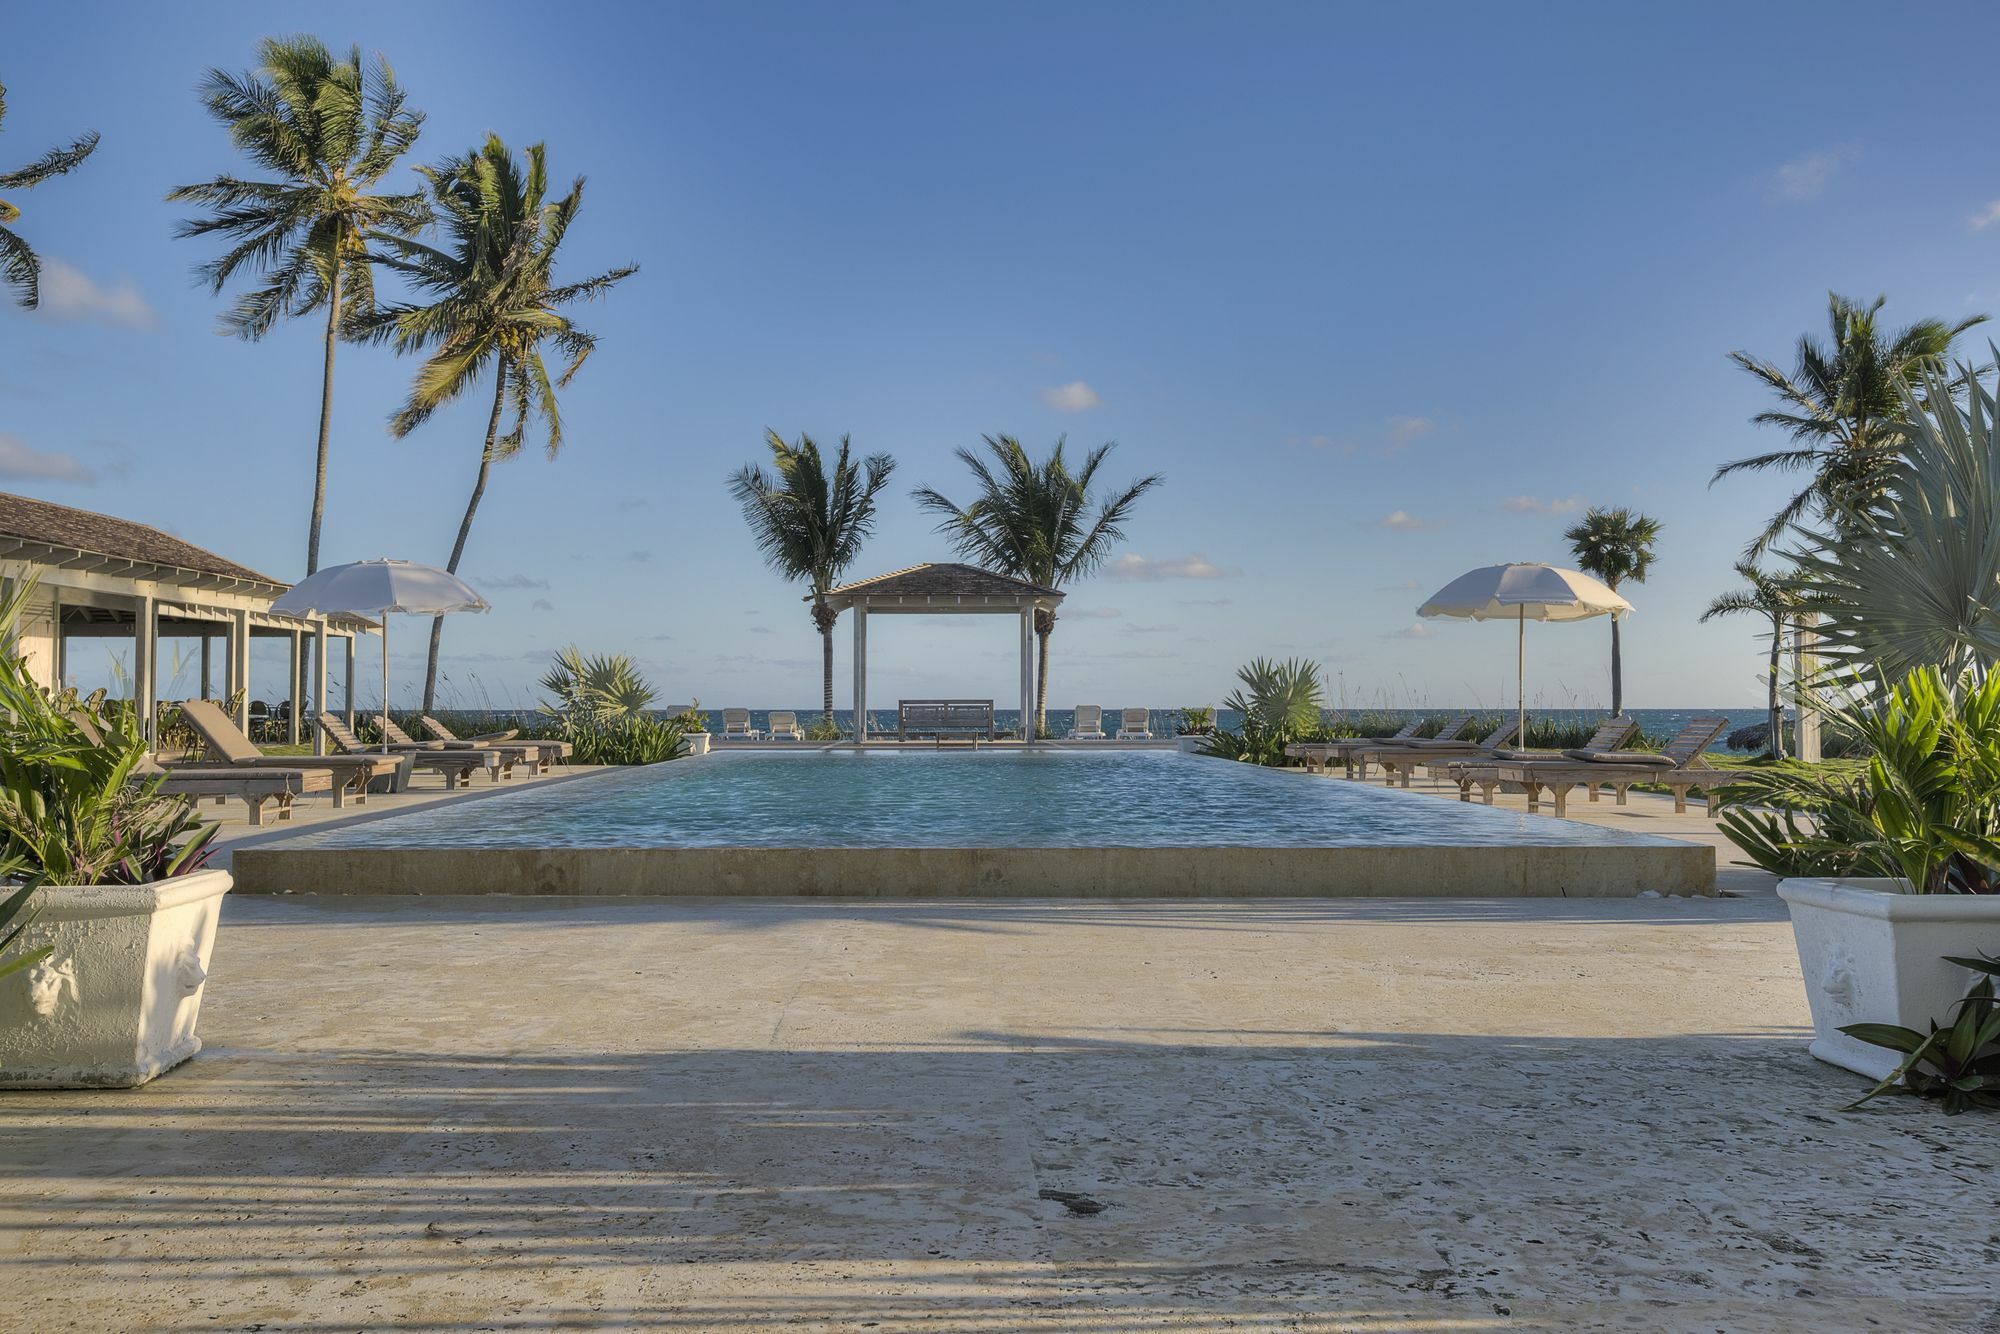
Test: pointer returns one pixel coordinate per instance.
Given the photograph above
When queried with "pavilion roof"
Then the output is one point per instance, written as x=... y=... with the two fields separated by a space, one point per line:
x=92 y=537
x=944 y=583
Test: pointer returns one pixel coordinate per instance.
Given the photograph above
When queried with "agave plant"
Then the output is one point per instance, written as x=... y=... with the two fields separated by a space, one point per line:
x=1963 y=1061
x=1925 y=809
x=599 y=689
x=1912 y=580
x=1280 y=703
x=17 y=913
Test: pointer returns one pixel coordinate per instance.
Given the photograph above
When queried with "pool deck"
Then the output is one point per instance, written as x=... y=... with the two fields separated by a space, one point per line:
x=1080 y=1117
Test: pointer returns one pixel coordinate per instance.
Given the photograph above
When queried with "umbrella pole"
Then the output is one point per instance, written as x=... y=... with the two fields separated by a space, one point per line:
x=385 y=683
x=1521 y=678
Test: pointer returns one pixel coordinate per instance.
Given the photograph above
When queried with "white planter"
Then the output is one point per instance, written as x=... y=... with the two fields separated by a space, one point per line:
x=117 y=1001
x=1871 y=955
x=1192 y=745
x=697 y=742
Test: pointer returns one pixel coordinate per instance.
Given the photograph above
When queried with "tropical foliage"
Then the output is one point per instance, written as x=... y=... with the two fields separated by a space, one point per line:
x=1036 y=521
x=1781 y=601
x=20 y=267
x=490 y=302
x=74 y=809
x=1614 y=545
x=809 y=523
x=1924 y=809
x=600 y=707
x=328 y=130
x=1912 y=579
x=1280 y=704
x=1842 y=406
x=1958 y=1064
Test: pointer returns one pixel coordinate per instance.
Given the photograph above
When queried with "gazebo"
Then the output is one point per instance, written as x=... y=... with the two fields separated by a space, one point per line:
x=942 y=590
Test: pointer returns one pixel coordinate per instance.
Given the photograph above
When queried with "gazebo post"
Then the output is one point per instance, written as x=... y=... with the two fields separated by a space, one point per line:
x=1027 y=676
x=348 y=700
x=860 y=671
x=319 y=683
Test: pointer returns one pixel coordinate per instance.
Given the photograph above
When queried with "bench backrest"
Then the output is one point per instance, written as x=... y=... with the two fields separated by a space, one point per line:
x=1694 y=738
x=953 y=713
x=1135 y=720
x=1089 y=718
x=783 y=721
x=340 y=734
x=218 y=731
x=735 y=720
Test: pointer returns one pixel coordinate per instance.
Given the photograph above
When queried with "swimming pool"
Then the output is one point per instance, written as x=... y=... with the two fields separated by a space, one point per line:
x=901 y=823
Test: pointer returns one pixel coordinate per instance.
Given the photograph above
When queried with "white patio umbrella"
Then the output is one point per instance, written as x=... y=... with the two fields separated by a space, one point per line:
x=1521 y=592
x=376 y=588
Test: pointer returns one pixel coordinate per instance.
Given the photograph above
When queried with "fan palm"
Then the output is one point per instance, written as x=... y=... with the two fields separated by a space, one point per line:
x=1614 y=545
x=494 y=305
x=1841 y=405
x=329 y=130
x=1781 y=601
x=20 y=267
x=1913 y=580
x=810 y=523
x=1038 y=522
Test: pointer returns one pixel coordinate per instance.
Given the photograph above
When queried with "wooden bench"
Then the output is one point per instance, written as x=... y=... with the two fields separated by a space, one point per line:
x=922 y=718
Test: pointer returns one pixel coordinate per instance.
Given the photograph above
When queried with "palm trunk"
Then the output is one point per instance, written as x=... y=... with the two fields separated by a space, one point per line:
x=1042 y=681
x=464 y=532
x=826 y=673
x=1774 y=700
x=325 y=421
x=1617 y=671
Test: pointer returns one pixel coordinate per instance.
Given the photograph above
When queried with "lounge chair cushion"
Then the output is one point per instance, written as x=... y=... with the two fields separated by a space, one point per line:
x=1643 y=757
x=1510 y=753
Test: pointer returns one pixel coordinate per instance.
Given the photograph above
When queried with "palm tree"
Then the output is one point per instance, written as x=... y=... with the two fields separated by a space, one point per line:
x=20 y=267
x=1614 y=546
x=328 y=130
x=494 y=304
x=810 y=523
x=1035 y=521
x=1841 y=405
x=1781 y=600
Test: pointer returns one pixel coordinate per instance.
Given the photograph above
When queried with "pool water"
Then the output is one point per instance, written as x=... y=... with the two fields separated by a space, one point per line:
x=956 y=799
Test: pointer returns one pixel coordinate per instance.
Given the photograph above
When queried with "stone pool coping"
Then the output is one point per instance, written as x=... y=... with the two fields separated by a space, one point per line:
x=1661 y=866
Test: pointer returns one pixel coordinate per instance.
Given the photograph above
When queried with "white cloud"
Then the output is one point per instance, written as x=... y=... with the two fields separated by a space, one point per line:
x=1415 y=630
x=504 y=582
x=542 y=604
x=1092 y=614
x=1139 y=569
x=22 y=462
x=1807 y=176
x=1151 y=629
x=1205 y=602
x=1076 y=396
x=1985 y=218
x=1536 y=505
x=71 y=297
x=1402 y=521
x=1403 y=430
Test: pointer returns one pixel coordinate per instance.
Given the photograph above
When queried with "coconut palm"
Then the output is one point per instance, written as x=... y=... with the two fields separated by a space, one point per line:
x=1038 y=522
x=493 y=307
x=810 y=523
x=1780 y=600
x=1913 y=580
x=20 y=267
x=328 y=130
x=1841 y=404
x=1614 y=545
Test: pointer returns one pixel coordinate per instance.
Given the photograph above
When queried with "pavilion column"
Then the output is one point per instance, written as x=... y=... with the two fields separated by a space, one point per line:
x=295 y=661
x=319 y=684
x=1027 y=675
x=1805 y=663
x=350 y=682
x=239 y=666
x=145 y=663
x=860 y=614
x=207 y=677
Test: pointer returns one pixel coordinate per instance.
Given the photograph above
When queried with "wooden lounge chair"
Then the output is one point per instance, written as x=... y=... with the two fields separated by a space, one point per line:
x=736 y=726
x=1681 y=764
x=1318 y=755
x=455 y=766
x=1399 y=763
x=1484 y=773
x=255 y=788
x=511 y=753
x=537 y=752
x=1135 y=725
x=1088 y=725
x=1358 y=758
x=785 y=724
x=231 y=749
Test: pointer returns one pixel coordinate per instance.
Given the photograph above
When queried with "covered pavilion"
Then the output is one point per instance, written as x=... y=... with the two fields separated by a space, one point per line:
x=942 y=590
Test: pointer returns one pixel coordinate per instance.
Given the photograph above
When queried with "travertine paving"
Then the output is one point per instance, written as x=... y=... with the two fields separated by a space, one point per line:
x=703 y=1115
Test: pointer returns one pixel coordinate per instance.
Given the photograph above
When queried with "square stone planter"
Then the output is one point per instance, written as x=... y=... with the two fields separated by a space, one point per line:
x=1873 y=955
x=1192 y=745
x=116 y=1003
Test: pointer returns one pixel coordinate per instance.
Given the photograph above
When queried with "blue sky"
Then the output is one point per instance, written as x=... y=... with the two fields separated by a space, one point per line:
x=1383 y=295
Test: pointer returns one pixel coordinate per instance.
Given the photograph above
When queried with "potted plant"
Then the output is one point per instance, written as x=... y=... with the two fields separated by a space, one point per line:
x=1196 y=726
x=694 y=729
x=103 y=879
x=1893 y=870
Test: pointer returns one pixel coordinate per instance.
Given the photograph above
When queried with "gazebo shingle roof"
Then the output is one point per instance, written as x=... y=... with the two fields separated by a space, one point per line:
x=39 y=521
x=945 y=580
